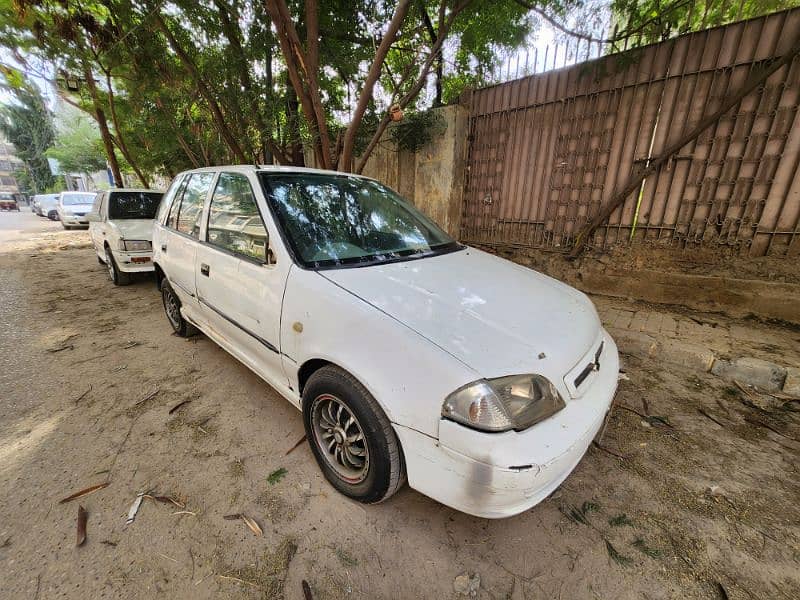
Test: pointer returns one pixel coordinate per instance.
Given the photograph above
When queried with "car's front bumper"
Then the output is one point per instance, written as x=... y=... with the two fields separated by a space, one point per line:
x=496 y=475
x=75 y=220
x=134 y=262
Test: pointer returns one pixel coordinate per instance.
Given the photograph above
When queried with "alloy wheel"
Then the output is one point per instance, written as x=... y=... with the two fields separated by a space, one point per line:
x=172 y=309
x=340 y=438
x=110 y=264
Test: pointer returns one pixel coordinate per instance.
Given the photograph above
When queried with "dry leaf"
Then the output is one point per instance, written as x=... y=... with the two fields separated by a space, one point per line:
x=307 y=591
x=177 y=406
x=300 y=441
x=254 y=527
x=82 y=516
x=166 y=500
x=134 y=509
x=85 y=492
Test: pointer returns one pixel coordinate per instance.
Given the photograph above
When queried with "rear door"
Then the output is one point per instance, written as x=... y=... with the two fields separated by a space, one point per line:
x=97 y=227
x=239 y=283
x=179 y=236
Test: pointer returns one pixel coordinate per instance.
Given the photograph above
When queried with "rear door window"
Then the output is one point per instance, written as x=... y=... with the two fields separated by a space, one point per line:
x=191 y=208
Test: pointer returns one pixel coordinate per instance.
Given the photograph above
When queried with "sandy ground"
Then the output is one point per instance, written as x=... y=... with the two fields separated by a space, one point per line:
x=89 y=373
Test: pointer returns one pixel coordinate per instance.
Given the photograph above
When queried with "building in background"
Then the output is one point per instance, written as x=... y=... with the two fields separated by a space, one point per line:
x=9 y=163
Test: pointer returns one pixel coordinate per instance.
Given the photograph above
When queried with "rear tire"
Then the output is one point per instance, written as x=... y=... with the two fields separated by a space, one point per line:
x=351 y=437
x=172 y=308
x=117 y=276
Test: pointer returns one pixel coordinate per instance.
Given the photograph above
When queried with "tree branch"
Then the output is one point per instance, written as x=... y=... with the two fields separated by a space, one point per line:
x=444 y=29
x=619 y=198
x=369 y=84
x=203 y=87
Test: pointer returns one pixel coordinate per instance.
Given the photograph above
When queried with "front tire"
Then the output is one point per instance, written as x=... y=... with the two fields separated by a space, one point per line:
x=172 y=307
x=351 y=437
x=117 y=277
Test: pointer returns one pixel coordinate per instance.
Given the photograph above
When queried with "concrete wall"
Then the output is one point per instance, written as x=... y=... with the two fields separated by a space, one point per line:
x=433 y=177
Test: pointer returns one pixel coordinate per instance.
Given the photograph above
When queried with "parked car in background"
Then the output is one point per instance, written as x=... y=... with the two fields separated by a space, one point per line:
x=10 y=201
x=73 y=207
x=47 y=206
x=121 y=229
x=34 y=203
x=409 y=354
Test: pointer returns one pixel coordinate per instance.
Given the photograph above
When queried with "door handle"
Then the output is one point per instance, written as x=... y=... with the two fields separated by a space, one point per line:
x=163 y=247
x=204 y=269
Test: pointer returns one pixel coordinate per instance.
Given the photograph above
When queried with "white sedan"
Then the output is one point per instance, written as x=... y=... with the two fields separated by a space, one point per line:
x=121 y=230
x=410 y=355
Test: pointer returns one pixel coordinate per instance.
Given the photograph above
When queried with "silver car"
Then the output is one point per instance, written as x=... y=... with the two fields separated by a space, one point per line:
x=45 y=205
x=73 y=208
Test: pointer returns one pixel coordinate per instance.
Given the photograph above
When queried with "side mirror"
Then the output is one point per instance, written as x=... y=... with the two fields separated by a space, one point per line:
x=92 y=216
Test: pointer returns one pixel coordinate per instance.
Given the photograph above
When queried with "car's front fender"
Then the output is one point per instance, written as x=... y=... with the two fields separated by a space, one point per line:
x=407 y=374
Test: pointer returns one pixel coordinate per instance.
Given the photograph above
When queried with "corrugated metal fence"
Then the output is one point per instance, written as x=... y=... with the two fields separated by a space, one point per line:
x=548 y=150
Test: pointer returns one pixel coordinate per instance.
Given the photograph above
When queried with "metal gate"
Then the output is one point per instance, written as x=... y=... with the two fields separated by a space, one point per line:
x=547 y=151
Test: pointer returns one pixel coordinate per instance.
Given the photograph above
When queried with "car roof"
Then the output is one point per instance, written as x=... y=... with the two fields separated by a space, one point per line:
x=271 y=169
x=78 y=192
x=148 y=190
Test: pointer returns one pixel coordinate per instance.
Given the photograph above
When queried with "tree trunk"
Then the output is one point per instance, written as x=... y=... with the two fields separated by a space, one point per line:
x=346 y=157
x=302 y=77
x=102 y=123
x=293 y=139
x=444 y=28
x=118 y=138
x=437 y=100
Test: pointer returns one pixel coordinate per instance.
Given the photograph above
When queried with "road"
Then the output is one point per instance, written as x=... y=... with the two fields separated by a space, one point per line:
x=22 y=225
x=94 y=389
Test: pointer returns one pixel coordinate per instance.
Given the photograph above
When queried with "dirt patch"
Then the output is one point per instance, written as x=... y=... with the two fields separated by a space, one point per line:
x=694 y=507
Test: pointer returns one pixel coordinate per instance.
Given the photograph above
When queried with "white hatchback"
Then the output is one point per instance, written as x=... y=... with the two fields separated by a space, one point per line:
x=410 y=355
x=121 y=229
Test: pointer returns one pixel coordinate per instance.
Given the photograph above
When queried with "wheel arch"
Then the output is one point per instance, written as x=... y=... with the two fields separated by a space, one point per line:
x=159 y=273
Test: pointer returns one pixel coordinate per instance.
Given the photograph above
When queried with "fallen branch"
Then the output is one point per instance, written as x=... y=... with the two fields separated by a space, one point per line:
x=753 y=421
x=84 y=492
x=633 y=184
x=611 y=452
x=708 y=416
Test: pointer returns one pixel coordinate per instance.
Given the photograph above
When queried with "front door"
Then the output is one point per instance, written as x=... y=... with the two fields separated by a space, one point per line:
x=239 y=284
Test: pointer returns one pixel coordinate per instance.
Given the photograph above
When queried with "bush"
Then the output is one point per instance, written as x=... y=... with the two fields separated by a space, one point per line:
x=418 y=129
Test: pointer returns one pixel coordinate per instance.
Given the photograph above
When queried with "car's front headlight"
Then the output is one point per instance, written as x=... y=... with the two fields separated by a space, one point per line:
x=135 y=245
x=513 y=402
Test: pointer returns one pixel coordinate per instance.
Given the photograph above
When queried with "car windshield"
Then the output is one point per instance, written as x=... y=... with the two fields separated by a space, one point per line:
x=338 y=220
x=133 y=205
x=73 y=199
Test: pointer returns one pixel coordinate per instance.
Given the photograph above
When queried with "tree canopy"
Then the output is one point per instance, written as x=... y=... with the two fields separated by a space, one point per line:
x=181 y=84
x=28 y=125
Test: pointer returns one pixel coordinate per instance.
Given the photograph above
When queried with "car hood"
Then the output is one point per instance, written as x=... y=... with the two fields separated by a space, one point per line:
x=497 y=317
x=134 y=229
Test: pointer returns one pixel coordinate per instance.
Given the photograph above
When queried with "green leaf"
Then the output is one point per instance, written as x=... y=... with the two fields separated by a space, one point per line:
x=276 y=476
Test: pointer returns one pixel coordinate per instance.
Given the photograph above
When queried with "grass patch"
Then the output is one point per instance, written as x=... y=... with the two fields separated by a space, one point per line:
x=345 y=558
x=620 y=521
x=268 y=575
x=276 y=476
x=642 y=547
x=236 y=468
x=616 y=556
x=579 y=515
